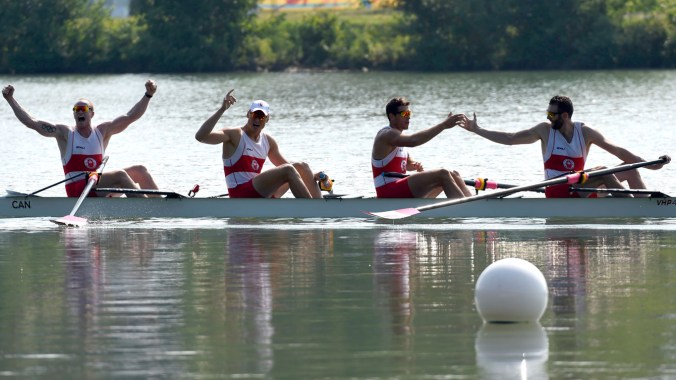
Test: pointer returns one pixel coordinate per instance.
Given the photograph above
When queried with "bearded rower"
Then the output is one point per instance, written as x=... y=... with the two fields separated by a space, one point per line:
x=565 y=145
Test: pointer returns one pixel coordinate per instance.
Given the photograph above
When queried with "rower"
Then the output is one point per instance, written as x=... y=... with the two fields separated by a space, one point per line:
x=565 y=145
x=245 y=150
x=389 y=155
x=83 y=146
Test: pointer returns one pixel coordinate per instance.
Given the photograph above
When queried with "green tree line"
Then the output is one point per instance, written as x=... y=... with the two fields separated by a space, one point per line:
x=64 y=36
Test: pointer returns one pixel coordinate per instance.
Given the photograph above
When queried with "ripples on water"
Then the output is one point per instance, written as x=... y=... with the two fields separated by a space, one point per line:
x=43 y=224
x=258 y=300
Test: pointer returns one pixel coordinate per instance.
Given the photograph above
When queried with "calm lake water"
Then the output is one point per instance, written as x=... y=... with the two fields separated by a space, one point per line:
x=334 y=299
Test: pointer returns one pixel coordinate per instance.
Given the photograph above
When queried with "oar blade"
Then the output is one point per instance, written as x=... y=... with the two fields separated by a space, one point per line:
x=70 y=221
x=395 y=214
x=12 y=193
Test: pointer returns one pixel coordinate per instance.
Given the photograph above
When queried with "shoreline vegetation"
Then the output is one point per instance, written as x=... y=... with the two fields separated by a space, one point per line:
x=78 y=36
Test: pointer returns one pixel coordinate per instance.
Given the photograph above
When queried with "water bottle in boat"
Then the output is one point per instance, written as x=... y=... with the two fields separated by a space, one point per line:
x=325 y=183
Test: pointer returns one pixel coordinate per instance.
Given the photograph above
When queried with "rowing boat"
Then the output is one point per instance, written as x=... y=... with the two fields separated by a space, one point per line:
x=496 y=204
x=21 y=206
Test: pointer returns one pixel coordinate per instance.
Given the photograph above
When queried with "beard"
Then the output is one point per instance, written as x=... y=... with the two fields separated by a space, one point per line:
x=557 y=124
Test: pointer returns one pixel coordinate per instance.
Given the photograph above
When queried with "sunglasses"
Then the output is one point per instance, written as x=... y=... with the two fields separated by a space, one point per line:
x=84 y=109
x=258 y=115
x=404 y=113
x=551 y=115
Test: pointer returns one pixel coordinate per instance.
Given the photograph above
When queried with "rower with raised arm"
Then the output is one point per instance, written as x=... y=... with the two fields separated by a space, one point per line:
x=390 y=159
x=245 y=150
x=83 y=146
x=565 y=145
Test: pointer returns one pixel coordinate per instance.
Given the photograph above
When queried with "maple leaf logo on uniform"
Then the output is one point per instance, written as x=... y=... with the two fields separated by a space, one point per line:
x=90 y=163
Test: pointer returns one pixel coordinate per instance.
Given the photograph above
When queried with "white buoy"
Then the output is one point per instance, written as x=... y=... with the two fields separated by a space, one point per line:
x=511 y=290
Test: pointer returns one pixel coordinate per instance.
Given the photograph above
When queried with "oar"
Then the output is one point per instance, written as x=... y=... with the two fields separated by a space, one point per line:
x=478 y=184
x=573 y=178
x=54 y=184
x=648 y=193
x=75 y=221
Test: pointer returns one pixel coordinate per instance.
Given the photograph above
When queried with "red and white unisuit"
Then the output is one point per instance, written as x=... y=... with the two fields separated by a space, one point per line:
x=83 y=154
x=391 y=187
x=562 y=157
x=246 y=163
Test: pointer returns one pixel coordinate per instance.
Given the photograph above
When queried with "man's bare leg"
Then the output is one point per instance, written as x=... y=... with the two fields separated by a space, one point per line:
x=460 y=182
x=633 y=179
x=308 y=179
x=429 y=184
x=119 y=179
x=142 y=177
x=269 y=182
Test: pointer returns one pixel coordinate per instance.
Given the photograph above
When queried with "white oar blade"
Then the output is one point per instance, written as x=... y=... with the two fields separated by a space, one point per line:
x=12 y=193
x=70 y=221
x=395 y=214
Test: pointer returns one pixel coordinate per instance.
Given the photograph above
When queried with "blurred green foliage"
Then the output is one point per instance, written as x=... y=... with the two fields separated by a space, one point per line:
x=62 y=36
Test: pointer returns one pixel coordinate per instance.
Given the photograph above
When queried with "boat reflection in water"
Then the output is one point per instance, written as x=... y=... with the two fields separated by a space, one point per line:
x=394 y=251
x=84 y=276
x=512 y=351
x=249 y=295
x=123 y=312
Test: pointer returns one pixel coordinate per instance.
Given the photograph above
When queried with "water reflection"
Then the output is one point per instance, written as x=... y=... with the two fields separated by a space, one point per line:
x=127 y=321
x=394 y=251
x=249 y=292
x=267 y=273
x=256 y=301
x=568 y=275
x=512 y=351
x=84 y=275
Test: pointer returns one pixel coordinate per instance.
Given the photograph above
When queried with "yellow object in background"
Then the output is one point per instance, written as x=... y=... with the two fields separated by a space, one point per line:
x=308 y=5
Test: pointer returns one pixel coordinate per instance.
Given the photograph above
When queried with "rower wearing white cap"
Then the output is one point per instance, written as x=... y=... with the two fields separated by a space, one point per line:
x=245 y=150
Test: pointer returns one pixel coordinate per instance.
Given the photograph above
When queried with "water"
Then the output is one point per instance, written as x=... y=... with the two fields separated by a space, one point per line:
x=258 y=301
x=334 y=299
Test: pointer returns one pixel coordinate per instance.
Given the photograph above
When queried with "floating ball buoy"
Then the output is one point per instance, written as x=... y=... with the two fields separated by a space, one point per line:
x=511 y=290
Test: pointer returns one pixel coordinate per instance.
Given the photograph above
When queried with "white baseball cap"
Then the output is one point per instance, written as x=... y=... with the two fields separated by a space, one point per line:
x=260 y=105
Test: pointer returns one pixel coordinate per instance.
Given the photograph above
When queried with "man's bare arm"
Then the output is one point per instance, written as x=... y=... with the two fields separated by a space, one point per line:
x=42 y=127
x=205 y=134
x=526 y=136
x=121 y=123
x=421 y=137
x=275 y=156
x=593 y=136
